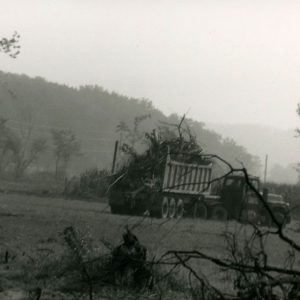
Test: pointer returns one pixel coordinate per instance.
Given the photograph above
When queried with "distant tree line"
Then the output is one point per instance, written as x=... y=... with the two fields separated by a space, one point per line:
x=93 y=115
x=20 y=149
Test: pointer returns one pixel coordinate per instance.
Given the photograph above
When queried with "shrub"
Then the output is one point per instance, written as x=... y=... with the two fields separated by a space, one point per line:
x=91 y=184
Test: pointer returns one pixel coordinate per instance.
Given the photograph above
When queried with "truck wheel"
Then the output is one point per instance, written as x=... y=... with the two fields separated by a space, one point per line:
x=280 y=217
x=248 y=216
x=219 y=213
x=165 y=208
x=179 y=209
x=266 y=220
x=115 y=209
x=172 y=208
x=200 y=211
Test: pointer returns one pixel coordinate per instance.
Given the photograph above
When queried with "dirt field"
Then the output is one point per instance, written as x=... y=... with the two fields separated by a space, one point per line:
x=31 y=225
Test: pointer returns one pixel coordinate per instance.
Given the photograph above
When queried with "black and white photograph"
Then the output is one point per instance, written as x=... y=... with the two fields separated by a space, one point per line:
x=149 y=150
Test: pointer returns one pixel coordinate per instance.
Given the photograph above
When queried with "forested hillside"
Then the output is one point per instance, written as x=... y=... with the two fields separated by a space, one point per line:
x=93 y=114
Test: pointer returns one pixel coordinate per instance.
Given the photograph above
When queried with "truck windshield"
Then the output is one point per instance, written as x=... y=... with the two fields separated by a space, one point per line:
x=240 y=182
x=233 y=182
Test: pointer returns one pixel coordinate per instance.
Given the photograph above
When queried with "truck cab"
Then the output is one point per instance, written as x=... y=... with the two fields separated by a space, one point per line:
x=235 y=193
x=242 y=203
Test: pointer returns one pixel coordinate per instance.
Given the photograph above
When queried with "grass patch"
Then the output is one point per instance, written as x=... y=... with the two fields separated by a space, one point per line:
x=39 y=256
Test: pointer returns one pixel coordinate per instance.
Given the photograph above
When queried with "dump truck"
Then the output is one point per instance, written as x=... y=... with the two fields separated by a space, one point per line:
x=185 y=189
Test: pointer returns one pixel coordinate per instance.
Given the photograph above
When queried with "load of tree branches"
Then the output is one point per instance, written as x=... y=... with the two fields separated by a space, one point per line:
x=140 y=167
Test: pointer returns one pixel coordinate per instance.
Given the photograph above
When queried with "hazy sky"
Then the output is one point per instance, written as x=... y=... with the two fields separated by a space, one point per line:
x=226 y=61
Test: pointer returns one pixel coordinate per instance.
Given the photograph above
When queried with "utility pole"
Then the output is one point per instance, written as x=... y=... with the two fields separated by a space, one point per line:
x=115 y=157
x=266 y=169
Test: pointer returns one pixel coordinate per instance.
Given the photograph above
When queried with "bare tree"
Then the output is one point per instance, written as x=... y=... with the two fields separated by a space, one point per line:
x=25 y=155
x=66 y=146
x=5 y=136
x=132 y=135
x=19 y=150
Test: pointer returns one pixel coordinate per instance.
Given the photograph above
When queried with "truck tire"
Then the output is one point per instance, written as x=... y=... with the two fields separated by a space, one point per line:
x=265 y=220
x=280 y=217
x=179 y=209
x=219 y=213
x=172 y=208
x=249 y=216
x=165 y=208
x=200 y=211
x=114 y=209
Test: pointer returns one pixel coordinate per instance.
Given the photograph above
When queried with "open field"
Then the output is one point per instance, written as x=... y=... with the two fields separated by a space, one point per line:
x=32 y=225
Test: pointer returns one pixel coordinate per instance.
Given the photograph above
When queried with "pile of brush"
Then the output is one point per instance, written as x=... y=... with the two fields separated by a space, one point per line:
x=150 y=165
x=124 y=265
